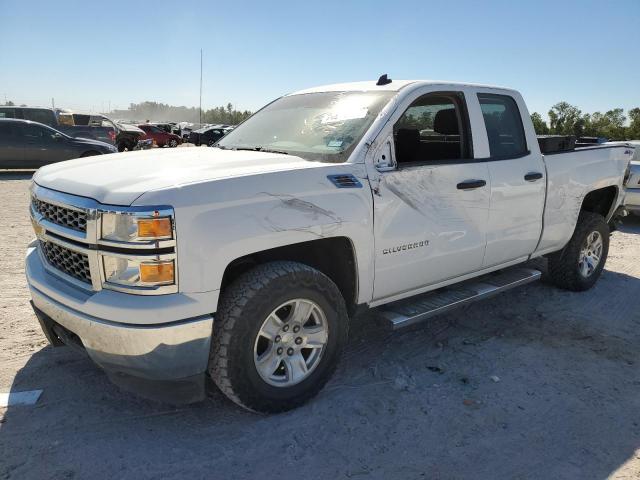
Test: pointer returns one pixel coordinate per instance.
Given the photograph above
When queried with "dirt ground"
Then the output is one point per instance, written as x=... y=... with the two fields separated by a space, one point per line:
x=536 y=383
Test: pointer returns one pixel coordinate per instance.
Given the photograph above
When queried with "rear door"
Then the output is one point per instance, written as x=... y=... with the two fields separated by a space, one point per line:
x=518 y=179
x=11 y=146
x=430 y=209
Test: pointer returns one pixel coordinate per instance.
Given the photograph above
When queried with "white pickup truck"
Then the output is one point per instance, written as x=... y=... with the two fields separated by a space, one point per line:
x=244 y=262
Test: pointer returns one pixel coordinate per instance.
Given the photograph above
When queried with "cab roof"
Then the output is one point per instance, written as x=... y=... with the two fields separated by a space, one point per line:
x=393 y=86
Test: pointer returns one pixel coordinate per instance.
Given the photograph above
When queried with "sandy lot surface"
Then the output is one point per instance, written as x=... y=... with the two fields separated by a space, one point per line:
x=563 y=402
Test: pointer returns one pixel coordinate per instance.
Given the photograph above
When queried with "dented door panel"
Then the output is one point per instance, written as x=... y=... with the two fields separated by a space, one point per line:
x=426 y=229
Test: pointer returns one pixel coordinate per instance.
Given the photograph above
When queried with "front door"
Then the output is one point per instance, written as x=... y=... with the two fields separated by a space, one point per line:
x=431 y=211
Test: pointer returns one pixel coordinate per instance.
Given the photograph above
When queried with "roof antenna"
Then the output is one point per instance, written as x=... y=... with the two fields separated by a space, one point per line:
x=383 y=80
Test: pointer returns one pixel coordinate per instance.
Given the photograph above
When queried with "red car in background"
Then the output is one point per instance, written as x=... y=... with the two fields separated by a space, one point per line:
x=159 y=136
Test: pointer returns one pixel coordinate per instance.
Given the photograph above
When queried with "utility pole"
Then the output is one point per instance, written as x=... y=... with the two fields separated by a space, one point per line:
x=200 y=86
x=53 y=104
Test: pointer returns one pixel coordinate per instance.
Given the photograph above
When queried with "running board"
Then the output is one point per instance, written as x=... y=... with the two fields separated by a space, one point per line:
x=421 y=307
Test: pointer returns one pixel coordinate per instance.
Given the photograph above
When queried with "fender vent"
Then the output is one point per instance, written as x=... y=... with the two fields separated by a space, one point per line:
x=345 y=181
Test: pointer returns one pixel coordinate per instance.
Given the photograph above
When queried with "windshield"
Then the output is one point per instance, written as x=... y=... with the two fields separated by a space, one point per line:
x=324 y=126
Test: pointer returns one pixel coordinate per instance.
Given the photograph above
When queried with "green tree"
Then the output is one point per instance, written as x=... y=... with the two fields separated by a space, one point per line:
x=633 y=132
x=565 y=119
x=539 y=124
x=609 y=124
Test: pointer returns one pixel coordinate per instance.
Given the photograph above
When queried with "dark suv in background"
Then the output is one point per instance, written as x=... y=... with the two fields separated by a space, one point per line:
x=79 y=125
x=208 y=135
x=26 y=144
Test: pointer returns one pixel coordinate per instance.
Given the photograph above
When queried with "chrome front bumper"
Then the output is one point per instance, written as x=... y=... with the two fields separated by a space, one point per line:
x=138 y=357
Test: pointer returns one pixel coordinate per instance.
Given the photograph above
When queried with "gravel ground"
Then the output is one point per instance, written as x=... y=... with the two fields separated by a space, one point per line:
x=536 y=383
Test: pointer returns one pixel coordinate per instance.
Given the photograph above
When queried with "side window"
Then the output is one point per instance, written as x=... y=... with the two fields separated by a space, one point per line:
x=7 y=112
x=37 y=134
x=434 y=127
x=39 y=115
x=505 y=131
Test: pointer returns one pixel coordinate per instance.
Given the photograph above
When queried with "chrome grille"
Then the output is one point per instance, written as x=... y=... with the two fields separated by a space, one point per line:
x=66 y=217
x=67 y=261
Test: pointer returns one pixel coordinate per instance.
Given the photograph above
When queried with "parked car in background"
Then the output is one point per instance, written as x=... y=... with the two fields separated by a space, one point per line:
x=208 y=135
x=632 y=197
x=159 y=136
x=27 y=144
x=185 y=129
x=130 y=138
x=97 y=127
x=167 y=126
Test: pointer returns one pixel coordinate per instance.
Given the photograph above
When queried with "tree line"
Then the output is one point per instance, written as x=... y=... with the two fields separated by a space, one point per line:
x=155 y=111
x=567 y=119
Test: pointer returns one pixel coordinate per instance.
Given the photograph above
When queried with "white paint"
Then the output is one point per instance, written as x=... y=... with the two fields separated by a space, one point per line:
x=19 y=398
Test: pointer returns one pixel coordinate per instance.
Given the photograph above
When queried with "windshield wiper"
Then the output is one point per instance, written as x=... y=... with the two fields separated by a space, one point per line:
x=261 y=149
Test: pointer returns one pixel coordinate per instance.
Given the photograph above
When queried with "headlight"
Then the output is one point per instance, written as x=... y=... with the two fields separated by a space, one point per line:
x=129 y=272
x=139 y=227
x=137 y=250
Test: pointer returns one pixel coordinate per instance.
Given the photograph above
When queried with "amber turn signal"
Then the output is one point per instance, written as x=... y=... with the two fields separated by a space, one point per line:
x=154 y=228
x=160 y=272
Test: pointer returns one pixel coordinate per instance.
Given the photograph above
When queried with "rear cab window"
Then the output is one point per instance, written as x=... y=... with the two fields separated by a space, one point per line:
x=503 y=122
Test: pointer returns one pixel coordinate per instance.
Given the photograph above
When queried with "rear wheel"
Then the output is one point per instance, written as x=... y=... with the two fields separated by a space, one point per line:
x=279 y=333
x=578 y=266
x=173 y=143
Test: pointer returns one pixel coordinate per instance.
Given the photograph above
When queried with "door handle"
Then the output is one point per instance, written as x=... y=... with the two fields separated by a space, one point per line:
x=471 y=184
x=533 y=176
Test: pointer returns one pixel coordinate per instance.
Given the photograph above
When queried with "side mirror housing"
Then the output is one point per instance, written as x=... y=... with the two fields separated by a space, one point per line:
x=384 y=160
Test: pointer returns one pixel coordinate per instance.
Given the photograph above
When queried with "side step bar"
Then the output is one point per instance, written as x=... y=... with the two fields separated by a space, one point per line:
x=416 y=309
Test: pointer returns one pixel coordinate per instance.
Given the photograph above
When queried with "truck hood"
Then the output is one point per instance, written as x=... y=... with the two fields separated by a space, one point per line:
x=120 y=178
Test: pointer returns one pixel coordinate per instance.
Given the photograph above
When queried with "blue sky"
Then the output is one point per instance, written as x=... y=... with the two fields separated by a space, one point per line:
x=89 y=53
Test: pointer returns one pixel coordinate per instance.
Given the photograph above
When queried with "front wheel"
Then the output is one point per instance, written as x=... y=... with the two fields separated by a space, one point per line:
x=173 y=143
x=578 y=266
x=279 y=333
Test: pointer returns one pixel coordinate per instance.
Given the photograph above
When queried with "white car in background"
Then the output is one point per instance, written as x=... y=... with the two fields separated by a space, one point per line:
x=632 y=198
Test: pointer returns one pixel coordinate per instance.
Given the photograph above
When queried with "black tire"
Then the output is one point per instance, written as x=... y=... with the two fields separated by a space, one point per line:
x=243 y=307
x=90 y=153
x=173 y=143
x=563 y=270
x=211 y=143
x=122 y=146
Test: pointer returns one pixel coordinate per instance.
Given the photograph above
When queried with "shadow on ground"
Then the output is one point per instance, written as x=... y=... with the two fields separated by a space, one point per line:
x=631 y=224
x=563 y=403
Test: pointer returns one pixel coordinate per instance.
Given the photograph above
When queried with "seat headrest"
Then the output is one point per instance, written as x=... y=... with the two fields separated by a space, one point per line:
x=408 y=135
x=446 y=122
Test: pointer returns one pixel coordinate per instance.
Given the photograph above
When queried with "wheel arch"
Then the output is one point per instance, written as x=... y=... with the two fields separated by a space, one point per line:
x=601 y=201
x=335 y=257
